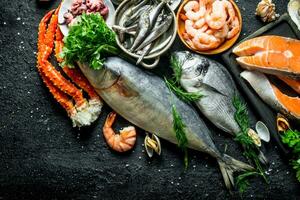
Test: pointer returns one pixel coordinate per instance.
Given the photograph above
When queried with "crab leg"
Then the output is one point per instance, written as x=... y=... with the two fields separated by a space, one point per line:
x=73 y=73
x=57 y=84
x=61 y=98
x=49 y=70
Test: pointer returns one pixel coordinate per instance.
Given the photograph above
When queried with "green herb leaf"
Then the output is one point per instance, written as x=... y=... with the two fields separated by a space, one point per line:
x=89 y=41
x=174 y=83
x=180 y=93
x=179 y=127
x=250 y=149
x=176 y=65
x=292 y=139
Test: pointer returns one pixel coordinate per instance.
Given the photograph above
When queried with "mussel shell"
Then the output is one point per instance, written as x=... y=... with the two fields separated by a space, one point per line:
x=150 y=150
x=262 y=131
x=282 y=123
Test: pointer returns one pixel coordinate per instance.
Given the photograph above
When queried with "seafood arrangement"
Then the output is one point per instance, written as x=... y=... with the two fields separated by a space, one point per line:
x=143 y=103
x=96 y=67
x=145 y=29
x=208 y=24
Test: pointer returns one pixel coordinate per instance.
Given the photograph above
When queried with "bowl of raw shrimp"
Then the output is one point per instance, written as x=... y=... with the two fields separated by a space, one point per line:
x=209 y=26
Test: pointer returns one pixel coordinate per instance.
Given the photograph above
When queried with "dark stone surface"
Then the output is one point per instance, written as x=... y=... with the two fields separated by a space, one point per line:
x=43 y=157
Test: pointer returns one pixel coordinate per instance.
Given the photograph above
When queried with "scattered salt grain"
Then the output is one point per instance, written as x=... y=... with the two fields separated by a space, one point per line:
x=172 y=182
x=4 y=23
x=127 y=165
x=18 y=18
x=18 y=33
x=140 y=157
x=194 y=166
x=159 y=170
x=23 y=23
x=179 y=178
x=172 y=165
x=196 y=185
x=177 y=184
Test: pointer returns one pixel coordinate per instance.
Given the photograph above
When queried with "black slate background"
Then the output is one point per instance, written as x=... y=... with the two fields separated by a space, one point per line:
x=43 y=157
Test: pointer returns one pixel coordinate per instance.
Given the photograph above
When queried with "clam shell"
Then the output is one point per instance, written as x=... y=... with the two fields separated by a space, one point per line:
x=154 y=146
x=294 y=11
x=254 y=136
x=262 y=131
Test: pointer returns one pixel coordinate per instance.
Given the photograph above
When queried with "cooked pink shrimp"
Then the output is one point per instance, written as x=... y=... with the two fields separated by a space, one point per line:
x=191 y=5
x=197 y=14
x=222 y=33
x=216 y=15
x=119 y=142
x=204 y=41
x=234 y=28
x=230 y=10
x=189 y=28
x=199 y=23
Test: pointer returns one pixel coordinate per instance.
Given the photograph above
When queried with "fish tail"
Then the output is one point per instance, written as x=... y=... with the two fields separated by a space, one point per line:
x=228 y=166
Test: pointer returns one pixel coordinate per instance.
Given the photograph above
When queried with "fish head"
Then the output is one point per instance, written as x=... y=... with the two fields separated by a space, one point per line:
x=192 y=66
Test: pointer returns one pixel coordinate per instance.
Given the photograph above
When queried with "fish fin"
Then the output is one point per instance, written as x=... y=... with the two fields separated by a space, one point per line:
x=228 y=166
x=212 y=89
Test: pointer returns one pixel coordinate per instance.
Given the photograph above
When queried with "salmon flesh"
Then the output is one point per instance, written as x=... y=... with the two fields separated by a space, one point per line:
x=271 y=55
x=272 y=95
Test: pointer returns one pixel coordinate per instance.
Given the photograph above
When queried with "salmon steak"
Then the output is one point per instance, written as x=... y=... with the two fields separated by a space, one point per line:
x=271 y=55
x=294 y=84
x=272 y=95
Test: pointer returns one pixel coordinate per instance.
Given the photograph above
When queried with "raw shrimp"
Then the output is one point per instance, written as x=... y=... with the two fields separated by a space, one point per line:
x=119 y=142
x=234 y=28
x=204 y=41
x=216 y=15
x=230 y=10
x=194 y=14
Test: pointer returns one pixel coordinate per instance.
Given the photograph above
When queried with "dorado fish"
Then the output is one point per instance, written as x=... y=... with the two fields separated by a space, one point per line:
x=270 y=54
x=145 y=100
x=214 y=82
x=272 y=95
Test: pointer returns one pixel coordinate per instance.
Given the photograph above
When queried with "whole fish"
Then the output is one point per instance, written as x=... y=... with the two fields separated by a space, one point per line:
x=145 y=100
x=214 y=82
x=135 y=17
x=144 y=28
x=157 y=32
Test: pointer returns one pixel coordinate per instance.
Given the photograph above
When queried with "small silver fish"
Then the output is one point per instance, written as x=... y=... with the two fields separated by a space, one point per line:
x=135 y=17
x=157 y=32
x=122 y=30
x=144 y=27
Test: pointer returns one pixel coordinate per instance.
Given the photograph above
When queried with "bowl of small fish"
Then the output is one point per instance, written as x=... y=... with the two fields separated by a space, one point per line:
x=209 y=27
x=145 y=30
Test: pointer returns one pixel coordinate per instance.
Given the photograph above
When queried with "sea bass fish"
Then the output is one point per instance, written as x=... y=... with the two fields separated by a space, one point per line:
x=145 y=100
x=214 y=82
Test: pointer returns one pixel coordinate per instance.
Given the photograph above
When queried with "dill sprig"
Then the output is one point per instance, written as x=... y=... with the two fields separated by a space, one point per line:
x=179 y=127
x=180 y=93
x=174 y=83
x=250 y=149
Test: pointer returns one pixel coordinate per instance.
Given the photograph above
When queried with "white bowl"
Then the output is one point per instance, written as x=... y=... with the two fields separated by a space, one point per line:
x=66 y=5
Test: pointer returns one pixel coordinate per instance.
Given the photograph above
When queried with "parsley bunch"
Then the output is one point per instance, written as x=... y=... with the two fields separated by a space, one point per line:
x=89 y=41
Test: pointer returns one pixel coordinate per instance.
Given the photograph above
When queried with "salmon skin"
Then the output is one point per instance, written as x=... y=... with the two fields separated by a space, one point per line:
x=272 y=95
x=271 y=55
